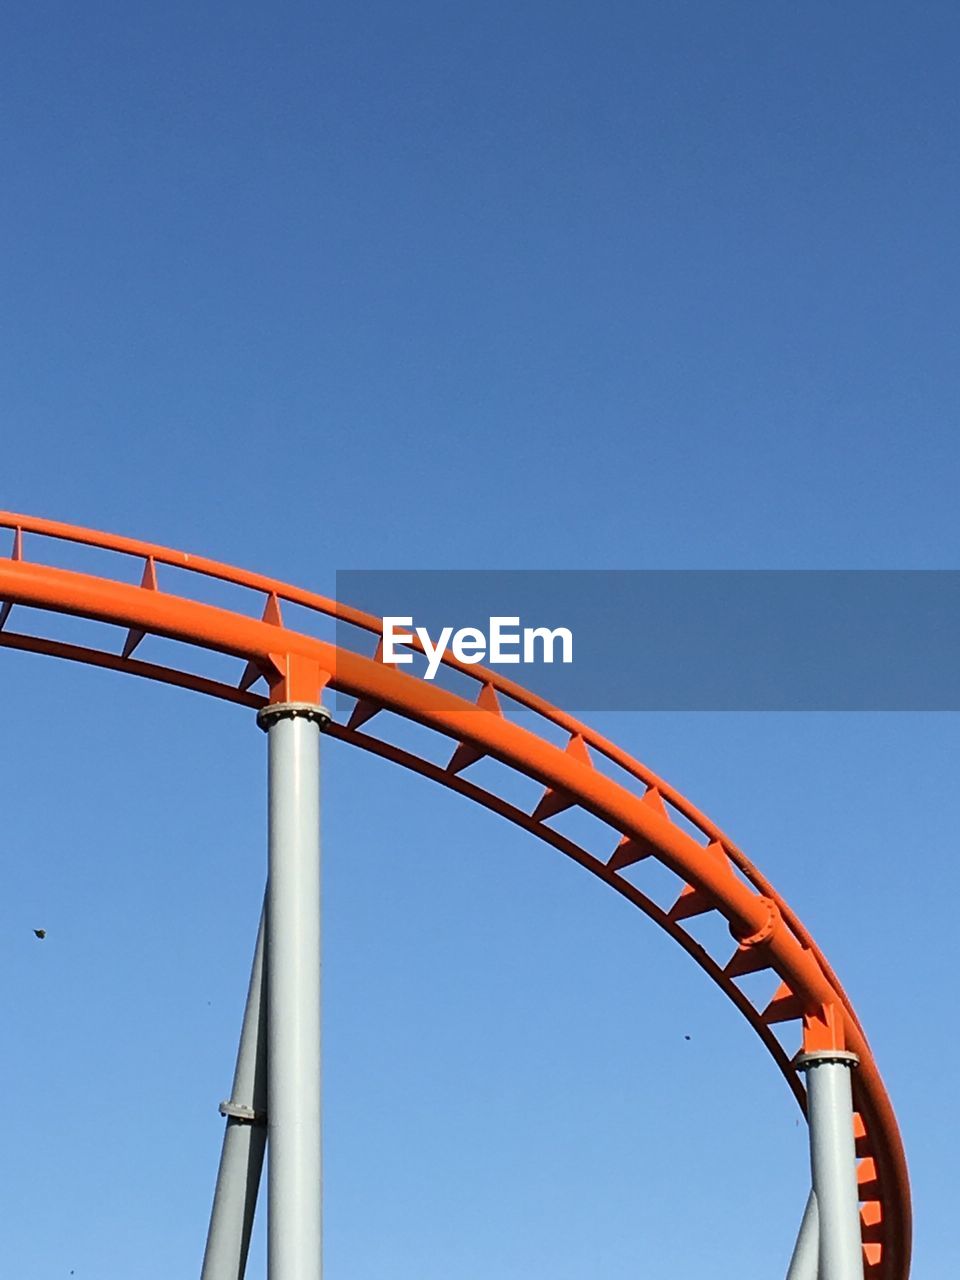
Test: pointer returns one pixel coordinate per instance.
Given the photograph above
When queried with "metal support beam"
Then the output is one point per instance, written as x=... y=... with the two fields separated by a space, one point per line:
x=293 y=991
x=804 y=1262
x=241 y=1160
x=833 y=1162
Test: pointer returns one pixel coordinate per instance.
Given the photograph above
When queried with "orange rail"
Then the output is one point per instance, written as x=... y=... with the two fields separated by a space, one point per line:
x=588 y=772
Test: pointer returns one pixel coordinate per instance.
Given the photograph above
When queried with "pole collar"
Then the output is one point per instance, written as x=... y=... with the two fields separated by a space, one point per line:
x=275 y=711
x=816 y=1058
x=246 y=1115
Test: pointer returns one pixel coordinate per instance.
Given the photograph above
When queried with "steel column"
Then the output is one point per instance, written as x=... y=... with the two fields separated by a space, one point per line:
x=833 y=1162
x=804 y=1262
x=293 y=991
x=241 y=1160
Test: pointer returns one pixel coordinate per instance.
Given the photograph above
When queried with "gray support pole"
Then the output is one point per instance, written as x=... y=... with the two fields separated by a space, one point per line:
x=804 y=1262
x=293 y=991
x=833 y=1162
x=241 y=1160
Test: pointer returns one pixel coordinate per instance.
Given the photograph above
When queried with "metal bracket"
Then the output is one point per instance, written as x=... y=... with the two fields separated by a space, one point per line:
x=247 y=1115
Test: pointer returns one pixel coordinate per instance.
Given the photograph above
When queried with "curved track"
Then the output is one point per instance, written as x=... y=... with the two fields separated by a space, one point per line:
x=497 y=721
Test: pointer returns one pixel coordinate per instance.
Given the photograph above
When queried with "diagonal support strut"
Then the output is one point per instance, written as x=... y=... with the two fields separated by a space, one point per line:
x=244 y=1139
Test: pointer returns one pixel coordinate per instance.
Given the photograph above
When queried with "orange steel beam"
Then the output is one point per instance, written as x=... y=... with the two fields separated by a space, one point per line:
x=716 y=875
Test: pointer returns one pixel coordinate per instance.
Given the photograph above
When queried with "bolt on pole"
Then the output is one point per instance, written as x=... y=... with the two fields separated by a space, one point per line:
x=833 y=1162
x=293 y=991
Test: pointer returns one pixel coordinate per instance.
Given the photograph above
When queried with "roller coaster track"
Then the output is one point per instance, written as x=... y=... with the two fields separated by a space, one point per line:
x=502 y=722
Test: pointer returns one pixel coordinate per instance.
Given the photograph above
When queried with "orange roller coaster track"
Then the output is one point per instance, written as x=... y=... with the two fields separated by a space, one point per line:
x=647 y=817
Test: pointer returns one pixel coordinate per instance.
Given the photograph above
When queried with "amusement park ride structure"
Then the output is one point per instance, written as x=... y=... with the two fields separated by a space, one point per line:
x=857 y=1219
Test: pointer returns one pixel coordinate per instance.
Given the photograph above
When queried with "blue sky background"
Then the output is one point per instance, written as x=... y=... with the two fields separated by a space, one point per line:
x=561 y=286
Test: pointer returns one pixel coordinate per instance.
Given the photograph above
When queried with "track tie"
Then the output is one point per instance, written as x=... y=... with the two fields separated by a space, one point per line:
x=784 y=1007
x=16 y=553
x=551 y=803
x=134 y=636
x=692 y=902
x=554 y=799
x=654 y=799
x=631 y=849
x=365 y=709
x=718 y=853
x=871 y=1222
x=466 y=753
x=861 y=1141
x=251 y=674
x=148 y=581
x=871 y=1212
x=487 y=700
x=868 y=1185
x=751 y=959
x=271 y=613
x=872 y=1255
x=634 y=848
x=362 y=712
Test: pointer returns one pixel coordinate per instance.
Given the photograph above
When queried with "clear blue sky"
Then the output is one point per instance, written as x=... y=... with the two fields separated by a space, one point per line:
x=312 y=287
